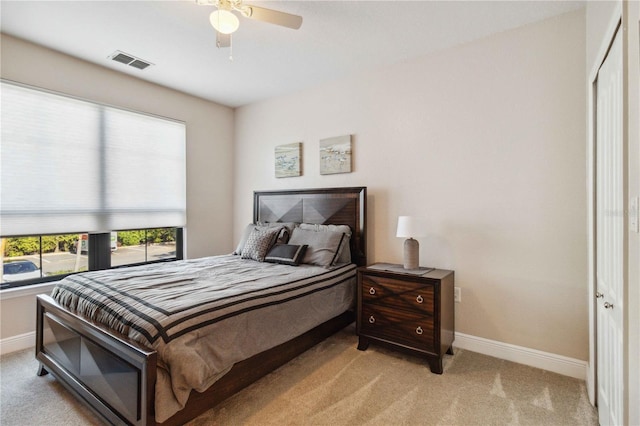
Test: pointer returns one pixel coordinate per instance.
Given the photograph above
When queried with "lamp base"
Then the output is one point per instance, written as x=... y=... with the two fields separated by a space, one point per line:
x=411 y=254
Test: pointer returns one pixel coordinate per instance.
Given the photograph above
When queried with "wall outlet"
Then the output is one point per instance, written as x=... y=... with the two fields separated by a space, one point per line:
x=457 y=294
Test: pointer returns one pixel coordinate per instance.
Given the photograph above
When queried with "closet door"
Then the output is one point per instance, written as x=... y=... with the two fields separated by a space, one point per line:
x=610 y=243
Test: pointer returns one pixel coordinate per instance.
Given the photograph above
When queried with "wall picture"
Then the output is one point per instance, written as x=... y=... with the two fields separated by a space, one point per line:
x=288 y=160
x=335 y=155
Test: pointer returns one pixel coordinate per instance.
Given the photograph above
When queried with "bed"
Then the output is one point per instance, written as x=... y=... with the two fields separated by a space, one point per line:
x=119 y=372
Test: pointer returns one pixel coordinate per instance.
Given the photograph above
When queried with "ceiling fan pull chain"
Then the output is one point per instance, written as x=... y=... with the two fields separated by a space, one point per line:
x=230 y=47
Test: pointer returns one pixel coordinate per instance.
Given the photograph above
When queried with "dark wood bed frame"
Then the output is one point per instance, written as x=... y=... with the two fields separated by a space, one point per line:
x=116 y=376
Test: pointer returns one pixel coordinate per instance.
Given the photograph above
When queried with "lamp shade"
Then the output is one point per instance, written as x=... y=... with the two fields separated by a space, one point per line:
x=410 y=226
x=224 y=21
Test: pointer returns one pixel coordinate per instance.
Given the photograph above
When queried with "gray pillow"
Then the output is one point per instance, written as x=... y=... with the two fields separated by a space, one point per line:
x=323 y=247
x=259 y=242
x=243 y=239
x=283 y=237
x=286 y=254
x=345 y=249
x=285 y=234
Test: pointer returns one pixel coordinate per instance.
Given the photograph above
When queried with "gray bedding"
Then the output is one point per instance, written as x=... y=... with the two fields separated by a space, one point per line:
x=204 y=315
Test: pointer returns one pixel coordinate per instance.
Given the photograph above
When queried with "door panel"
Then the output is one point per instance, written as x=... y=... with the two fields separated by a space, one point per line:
x=610 y=236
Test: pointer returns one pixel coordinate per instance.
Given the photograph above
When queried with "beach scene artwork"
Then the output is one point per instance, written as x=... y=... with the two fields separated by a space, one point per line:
x=335 y=155
x=288 y=160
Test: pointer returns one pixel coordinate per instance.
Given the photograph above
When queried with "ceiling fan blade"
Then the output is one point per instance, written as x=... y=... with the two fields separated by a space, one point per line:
x=272 y=16
x=223 y=40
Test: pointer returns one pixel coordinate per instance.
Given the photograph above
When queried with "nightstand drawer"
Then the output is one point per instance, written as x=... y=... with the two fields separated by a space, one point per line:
x=399 y=294
x=401 y=327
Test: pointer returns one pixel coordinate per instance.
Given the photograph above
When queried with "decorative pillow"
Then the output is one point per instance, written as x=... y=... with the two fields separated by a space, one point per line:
x=259 y=242
x=245 y=234
x=285 y=234
x=345 y=249
x=287 y=254
x=324 y=247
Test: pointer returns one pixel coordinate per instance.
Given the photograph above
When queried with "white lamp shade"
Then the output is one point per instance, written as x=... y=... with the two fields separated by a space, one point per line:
x=224 y=21
x=410 y=227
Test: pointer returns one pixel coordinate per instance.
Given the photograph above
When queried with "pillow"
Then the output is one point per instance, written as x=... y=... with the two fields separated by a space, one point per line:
x=286 y=254
x=345 y=249
x=245 y=234
x=285 y=234
x=259 y=242
x=283 y=237
x=324 y=247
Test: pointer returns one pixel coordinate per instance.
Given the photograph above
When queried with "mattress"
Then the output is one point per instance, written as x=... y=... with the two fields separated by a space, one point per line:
x=204 y=315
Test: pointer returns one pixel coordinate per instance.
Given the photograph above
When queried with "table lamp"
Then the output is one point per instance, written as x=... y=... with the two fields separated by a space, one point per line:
x=409 y=227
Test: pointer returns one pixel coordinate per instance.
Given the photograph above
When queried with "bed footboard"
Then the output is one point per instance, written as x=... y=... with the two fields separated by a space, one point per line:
x=113 y=375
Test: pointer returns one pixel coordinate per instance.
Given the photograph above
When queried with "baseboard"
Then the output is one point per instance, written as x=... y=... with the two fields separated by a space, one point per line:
x=547 y=361
x=17 y=343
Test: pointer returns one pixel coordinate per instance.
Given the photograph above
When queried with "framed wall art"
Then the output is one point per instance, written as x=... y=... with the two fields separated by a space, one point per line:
x=288 y=160
x=335 y=155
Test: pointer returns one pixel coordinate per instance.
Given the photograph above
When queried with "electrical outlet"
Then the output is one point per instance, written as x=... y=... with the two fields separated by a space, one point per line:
x=457 y=294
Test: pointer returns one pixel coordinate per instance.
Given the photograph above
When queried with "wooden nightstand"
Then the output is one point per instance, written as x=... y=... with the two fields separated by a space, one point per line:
x=408 y=311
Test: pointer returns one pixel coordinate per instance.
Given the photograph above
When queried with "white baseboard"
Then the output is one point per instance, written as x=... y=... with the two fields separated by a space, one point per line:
x=547 y=361
x=17 y=343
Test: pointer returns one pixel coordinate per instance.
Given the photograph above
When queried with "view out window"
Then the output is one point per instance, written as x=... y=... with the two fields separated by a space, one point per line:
x=143 y=246
x=33 y=259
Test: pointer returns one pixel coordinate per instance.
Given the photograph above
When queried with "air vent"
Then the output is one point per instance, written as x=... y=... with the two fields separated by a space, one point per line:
x=139 y=64
x=125 y=58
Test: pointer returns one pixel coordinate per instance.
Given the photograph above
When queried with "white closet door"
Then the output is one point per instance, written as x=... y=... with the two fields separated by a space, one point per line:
x=610 y=237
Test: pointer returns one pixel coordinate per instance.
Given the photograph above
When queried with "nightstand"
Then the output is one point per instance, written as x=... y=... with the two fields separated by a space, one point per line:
x=407 y=310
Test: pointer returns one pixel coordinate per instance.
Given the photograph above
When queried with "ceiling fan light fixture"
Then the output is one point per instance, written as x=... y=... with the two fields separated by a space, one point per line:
x=224 y=21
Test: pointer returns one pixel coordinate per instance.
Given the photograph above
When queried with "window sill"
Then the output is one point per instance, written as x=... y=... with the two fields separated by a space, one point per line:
x=31 y=290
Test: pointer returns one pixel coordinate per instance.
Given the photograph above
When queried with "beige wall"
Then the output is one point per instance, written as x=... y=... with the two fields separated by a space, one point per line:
x=209 y=146
x=487 y=141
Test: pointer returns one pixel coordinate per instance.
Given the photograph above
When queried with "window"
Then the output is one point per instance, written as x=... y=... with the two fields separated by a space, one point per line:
x=31 y=259
x=41 y=258
x=144 y=246
x=70 y=167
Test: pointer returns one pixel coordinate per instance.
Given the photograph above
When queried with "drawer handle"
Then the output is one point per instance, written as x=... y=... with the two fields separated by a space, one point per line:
x=372 y=290
x=419 y=330
x=419 y=299
x=371 y=319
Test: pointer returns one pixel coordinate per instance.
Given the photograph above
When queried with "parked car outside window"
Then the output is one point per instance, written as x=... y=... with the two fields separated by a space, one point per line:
x=18 y=270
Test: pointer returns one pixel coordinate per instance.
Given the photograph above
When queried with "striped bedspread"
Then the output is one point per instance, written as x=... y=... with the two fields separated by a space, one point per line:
x=204 y=315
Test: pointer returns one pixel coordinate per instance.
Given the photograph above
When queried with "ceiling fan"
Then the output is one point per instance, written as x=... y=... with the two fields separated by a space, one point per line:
x=226 y=22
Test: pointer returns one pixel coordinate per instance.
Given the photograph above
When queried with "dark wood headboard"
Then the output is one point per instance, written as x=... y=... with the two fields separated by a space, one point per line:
x=335 y=206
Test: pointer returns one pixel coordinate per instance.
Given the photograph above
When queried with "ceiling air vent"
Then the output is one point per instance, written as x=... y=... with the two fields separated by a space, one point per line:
x=125 y=58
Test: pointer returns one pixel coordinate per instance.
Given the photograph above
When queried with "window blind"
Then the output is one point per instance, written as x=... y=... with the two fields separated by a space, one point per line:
x=69 y=165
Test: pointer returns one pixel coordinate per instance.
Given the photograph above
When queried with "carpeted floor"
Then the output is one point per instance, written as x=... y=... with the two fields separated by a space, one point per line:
x=335 y=384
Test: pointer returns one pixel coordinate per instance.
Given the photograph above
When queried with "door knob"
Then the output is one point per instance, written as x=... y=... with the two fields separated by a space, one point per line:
x=599 y=295
x=608 y=305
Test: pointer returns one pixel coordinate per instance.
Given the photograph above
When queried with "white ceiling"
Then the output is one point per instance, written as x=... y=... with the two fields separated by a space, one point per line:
x=337 y=38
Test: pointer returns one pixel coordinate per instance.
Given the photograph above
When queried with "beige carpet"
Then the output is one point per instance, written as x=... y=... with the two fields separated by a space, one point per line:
x=335 y=384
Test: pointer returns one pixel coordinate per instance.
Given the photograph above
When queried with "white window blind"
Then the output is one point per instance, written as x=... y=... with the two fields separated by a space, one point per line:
x=74 y=166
